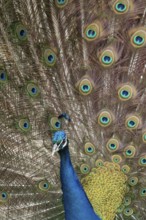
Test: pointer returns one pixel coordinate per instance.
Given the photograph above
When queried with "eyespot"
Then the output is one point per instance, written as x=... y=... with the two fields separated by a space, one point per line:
x=61 y=3
x=33 y=90
x=112 y=145
x=127 y=200
x=49 y=57
x=133 y=181
x=89 y=148
x=129 y=151
x=3 y=76
x=138 y=38
x=126 y=92
x=132 y=122
x=128 y=211
x=55 y=123
x=21 y=32
x=126 y=169
x=105 y=118
x=107 y=58
x=44 y=185
x=120 y=209
x=4 y=197
x=24 y=124
x=144 y=136
x=99 y=163
x=85 y=87
x=142 y=161
x=116 y=158
x=143 y=192
x=84 y=168
x=92 y=31
x=121 y=7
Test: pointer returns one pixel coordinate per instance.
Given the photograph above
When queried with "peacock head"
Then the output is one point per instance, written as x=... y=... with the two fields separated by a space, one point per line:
x=59 y=141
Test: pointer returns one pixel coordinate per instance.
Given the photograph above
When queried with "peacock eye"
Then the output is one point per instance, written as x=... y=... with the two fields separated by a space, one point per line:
x=105 y=118
x=61 y=3
x=84 y=168
x=85 y=87
x=133 y=181
x=24 y=125
x=125 y=169
x=120 y=209
x=128 y=211
x=132 y=122
x=107 y=58
x=142 y=161
x=144 y=137
x=21 y=32
x=143 y=192
x=99 y=163
x=44 y=185
x=116 y=158
x=112 y=145
x=49 y=57
x=33 y=90
x=55 y=123
x=138 y=38
x=4 y=197
x=89 y=148
x=126 y=92
x=92 y=32
x=127 y=200
x=3 y=76
x=121 y=7
x=129 y=151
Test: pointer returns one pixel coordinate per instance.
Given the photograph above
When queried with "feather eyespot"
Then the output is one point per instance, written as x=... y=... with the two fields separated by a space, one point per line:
x=89 y=148
x=138 y=37
x=120 y=209
x=85 y=168
x=44 y=185
x=142 y=161
x=49 y=57
x=55 y=123
x=129 y=151
x=20 y=31
x=144 y=136
x=112 y=145
x=85 y=86
x=107 y=58
x=121 y=7
x=128 y=211
x=4 y=197
x=126 y=169
x=105 y=118
x=3 y=76
x=116 y=158
x=92 y=31
x=99 y=163
x=143 y=192
x=126 y=92
x=133 y=181
x=24 y=125
x=61 y=3
x=127 y=200
x=33 y=90
x=132 y=122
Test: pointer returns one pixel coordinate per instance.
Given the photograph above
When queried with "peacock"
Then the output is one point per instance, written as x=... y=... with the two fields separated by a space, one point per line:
x=72 y=109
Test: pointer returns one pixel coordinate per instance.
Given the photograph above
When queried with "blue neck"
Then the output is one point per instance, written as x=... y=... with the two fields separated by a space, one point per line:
x=76 y=203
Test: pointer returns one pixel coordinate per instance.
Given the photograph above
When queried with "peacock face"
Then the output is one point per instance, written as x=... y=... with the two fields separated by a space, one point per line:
x=59 y=141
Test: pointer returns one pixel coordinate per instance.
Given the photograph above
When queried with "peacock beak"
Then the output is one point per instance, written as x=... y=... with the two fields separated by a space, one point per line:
x=55 y=149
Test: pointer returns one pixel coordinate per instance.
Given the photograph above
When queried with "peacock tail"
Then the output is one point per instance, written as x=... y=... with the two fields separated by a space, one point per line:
x=77 y=66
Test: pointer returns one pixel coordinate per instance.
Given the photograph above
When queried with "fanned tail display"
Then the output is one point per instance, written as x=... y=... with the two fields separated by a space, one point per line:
x=73 y=81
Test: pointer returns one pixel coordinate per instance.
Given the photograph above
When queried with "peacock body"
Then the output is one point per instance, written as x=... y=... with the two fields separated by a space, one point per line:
x=73 y=78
